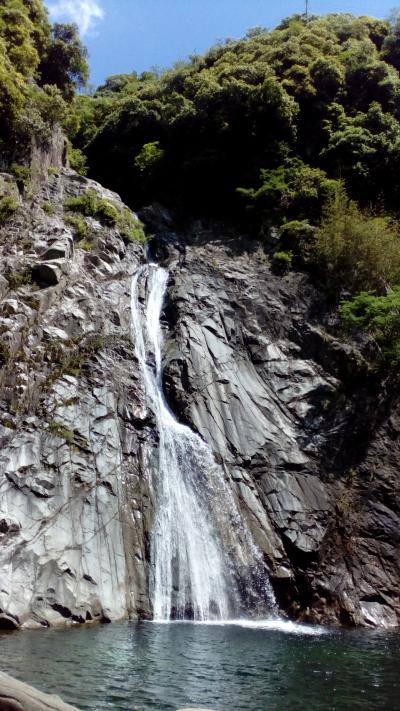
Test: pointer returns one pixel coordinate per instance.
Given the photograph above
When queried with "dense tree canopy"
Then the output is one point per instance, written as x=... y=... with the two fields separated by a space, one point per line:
x=40 y=67
x=297 y=130
x=324 y=91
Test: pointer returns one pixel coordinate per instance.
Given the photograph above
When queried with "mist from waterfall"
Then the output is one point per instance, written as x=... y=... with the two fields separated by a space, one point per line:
x=198 y=539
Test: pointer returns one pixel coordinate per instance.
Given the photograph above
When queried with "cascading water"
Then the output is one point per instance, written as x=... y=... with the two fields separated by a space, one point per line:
x=196 y=524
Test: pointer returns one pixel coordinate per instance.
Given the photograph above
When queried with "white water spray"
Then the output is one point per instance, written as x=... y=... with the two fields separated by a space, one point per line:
x=196 y=520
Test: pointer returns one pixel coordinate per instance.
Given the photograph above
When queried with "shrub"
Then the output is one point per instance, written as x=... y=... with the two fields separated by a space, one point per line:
x=149 y=156
x=292 y=189
x=355 y=249
x=282 y=262
x=107 y=213
x=296 y=236
x=86 y=204
x=8 y=205
x=48 y=208
x=77 y=160
x=379 y=316
x=90 y=204
x=79 y=225
x=130 y=228
x=22 y=173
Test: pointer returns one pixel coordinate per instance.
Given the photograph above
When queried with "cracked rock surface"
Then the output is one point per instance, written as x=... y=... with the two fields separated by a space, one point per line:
x=75 y=503
x=308 y=436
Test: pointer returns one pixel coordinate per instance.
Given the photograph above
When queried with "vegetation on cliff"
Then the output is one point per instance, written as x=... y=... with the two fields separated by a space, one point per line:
x=296 y=131
x=280 y=114
x=40 y=67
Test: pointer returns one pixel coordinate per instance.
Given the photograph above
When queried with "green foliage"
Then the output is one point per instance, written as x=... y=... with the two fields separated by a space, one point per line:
x=148 y=157
x=106 y=212
x=79 y=225
x=379 y=316
x=77 y=160
x=91 y=205
x=130 y=228
x=8 y=205
x=391 y=45
x=297 y=236
x=292 y=189
x=64 y=64
x=49 y=208
x=72 y=362
x=323 y=93
x=85 y=203
x=282 y=262
x=40 y=67
x=22 y=174
x=58 y=429
x=355 y=249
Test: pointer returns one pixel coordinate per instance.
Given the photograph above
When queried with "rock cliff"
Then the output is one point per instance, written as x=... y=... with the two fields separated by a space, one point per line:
x=306 y=434
x=74 y=431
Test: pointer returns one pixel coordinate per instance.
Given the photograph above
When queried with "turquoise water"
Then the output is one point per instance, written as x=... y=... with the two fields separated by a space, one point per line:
x=162 y=667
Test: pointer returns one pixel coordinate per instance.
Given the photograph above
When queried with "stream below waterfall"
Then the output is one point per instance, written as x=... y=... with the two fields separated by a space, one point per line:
x=147 y=666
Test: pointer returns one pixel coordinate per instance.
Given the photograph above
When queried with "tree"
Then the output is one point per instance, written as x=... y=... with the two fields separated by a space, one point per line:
x=391 y=45
x=64 y=63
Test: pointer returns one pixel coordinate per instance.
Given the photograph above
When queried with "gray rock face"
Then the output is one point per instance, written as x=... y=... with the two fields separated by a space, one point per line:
x=307 y=440
x=307 y=437
x=75 y=502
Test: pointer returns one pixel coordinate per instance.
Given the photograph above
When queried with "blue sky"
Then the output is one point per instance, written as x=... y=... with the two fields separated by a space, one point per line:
x=128 y=35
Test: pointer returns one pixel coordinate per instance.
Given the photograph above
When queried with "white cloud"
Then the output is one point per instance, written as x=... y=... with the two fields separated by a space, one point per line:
x=86 y=13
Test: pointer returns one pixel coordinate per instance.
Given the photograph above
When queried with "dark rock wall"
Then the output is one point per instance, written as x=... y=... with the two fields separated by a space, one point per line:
x=306 y=434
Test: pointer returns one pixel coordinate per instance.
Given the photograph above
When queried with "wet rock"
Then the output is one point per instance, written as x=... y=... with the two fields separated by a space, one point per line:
x=8 y=621
x=377 y=615
x=312 y=453
x=17 y=696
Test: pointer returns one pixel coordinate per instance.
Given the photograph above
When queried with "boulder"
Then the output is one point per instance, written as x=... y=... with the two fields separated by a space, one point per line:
x=17 y=696
x=56 y=251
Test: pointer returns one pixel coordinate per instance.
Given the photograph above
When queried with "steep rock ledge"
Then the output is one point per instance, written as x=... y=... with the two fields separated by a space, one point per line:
x=308 y=437
x=75 y=502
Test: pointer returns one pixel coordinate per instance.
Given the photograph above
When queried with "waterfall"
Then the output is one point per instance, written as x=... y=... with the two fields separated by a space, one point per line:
x=197 y=525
